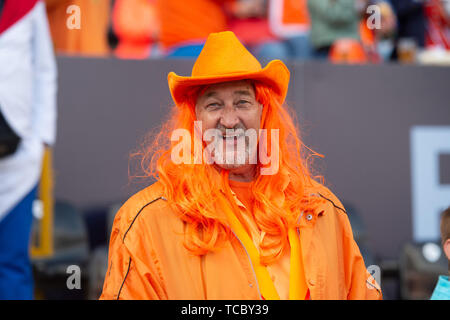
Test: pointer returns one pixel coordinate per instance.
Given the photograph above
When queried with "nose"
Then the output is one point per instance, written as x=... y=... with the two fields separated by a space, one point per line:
x=229 y=117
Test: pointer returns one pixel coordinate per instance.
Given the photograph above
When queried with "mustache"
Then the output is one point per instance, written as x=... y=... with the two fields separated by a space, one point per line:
x=238 y=128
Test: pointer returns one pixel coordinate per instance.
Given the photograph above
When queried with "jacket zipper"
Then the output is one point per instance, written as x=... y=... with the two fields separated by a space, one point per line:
x=251 y=264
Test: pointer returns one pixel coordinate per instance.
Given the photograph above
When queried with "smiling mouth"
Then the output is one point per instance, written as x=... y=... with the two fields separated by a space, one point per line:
x=232 y=137
x=234 y=134
x=232 y=140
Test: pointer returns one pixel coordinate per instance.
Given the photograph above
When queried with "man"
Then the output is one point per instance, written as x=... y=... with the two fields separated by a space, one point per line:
x=235 y=213
x=27 y=125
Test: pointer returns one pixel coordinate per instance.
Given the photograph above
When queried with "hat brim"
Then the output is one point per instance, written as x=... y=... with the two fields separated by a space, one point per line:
x=275 y=74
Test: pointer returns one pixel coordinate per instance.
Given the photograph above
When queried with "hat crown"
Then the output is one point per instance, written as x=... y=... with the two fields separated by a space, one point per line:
x=224 y=54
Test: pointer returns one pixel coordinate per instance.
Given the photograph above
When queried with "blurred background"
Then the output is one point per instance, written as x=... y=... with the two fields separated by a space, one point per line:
x=370 y=83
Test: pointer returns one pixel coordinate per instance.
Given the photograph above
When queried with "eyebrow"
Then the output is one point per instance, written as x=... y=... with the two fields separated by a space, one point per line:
x=237 y=92
x=210 y=94
x=243 y=92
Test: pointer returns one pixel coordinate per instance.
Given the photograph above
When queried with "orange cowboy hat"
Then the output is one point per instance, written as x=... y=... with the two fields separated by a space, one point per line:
x=224 y=58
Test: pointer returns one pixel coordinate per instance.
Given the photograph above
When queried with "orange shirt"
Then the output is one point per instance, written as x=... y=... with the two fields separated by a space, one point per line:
x=289 y=17
x=243 y=192
x=182 y=22
x=147 y=259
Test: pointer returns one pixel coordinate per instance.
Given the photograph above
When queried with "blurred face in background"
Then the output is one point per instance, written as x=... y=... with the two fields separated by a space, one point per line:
x=231 y=110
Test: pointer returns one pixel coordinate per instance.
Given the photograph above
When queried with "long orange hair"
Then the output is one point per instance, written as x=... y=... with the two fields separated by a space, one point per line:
x=198 y=192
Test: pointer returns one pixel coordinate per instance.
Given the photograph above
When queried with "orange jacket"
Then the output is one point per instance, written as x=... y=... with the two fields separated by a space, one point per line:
x=147 y=259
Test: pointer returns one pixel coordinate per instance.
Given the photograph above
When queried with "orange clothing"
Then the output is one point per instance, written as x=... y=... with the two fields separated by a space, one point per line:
x=288 y=17
x=367 y=35
x=147 y=259
x=184 y=23
x=347 y=50
x=279 y=271
x=243 y=192
x=91 y=38
x=295 y=12
x=136 y=25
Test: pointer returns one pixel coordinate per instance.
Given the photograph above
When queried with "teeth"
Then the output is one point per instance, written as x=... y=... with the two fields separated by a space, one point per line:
x=232 y=136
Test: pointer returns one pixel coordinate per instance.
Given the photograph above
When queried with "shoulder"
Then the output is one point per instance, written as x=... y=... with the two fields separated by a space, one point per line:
x=319 y=190
x=146 y=204
x=331 y=208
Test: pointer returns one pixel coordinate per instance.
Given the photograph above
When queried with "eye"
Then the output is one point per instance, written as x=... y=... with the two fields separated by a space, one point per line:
x=243 y=103
x=212 y=106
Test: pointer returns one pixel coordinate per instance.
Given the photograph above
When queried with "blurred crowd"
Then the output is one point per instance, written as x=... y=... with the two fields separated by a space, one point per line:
x=352 y=31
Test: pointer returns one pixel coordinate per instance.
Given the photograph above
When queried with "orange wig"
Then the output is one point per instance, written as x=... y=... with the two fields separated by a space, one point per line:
x=199 y=192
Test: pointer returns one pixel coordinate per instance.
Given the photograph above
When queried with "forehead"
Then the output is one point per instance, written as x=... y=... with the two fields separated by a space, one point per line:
x=233 y=87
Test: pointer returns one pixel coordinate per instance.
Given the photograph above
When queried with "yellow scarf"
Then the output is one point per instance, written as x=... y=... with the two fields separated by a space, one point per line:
x=297 y=281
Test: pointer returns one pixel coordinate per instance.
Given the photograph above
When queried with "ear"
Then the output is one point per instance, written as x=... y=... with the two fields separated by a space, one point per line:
x=446 y=247
x=196 y=110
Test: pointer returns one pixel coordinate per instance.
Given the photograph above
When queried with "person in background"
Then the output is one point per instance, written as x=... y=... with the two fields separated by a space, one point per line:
x=289 y=21
x=411 y=24
x=272 y=29
x=91 y=37
x=136 y=25
x=376 y=34
x=332 y=20
x=378 y=41
x=442 y=289
x=27 y=126
x=248 y=20
x=437 y=33
x=184 y=26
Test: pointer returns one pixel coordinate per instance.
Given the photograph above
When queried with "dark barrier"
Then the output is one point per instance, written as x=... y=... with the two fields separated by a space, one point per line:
x=359 y=117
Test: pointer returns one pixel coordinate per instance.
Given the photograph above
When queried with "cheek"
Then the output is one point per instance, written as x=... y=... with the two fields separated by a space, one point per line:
x=253 y=119
x=208 y=120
